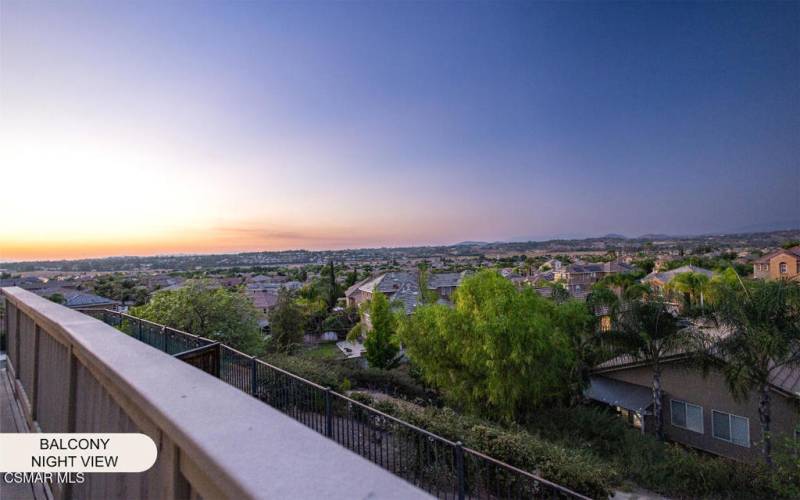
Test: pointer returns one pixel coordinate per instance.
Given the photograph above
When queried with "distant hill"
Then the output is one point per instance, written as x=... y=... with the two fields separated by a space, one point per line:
x=615 y=236
x=655 y=236
x=785 y=225
x=470 y=243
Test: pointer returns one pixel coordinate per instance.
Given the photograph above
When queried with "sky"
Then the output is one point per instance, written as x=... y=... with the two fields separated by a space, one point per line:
x=140 y=128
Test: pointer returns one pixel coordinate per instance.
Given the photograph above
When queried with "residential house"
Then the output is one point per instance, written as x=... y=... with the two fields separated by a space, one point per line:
x=659 y=280
x=81 y=301
x=698 y=410
x=780 y=264
x=551 y=265
x=403 y=286
x=579 y=278
x=263 y=300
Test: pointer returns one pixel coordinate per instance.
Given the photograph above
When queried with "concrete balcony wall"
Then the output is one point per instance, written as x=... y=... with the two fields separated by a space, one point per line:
x=72 y=373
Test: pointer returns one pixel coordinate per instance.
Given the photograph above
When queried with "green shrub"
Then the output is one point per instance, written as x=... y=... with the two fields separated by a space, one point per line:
x=333 y=373
x=574 y=468
x=668 y=469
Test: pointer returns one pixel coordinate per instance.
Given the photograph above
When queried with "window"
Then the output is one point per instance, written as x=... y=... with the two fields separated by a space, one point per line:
x=687 y=416
x=783 y=268
x=731 y=428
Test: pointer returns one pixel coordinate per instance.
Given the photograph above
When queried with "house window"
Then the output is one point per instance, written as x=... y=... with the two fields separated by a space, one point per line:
x=730 y=428
x=783 y=268
x=686 y=416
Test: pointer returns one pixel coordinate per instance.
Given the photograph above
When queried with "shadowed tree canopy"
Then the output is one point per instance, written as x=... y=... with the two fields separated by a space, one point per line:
x=286 y=322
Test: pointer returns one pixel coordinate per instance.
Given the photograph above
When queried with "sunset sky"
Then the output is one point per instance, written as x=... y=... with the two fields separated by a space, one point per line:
x=130 y=128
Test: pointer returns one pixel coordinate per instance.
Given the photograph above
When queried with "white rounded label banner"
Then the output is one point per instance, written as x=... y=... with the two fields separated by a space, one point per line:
x=91 y=452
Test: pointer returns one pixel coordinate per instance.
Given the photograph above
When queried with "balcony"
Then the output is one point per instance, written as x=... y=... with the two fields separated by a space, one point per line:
x=68 y=372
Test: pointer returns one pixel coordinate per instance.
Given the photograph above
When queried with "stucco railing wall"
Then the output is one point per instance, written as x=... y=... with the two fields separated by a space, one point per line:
x=73 y=373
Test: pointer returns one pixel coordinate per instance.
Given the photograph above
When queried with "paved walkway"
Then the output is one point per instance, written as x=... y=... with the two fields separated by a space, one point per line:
x=11 y=420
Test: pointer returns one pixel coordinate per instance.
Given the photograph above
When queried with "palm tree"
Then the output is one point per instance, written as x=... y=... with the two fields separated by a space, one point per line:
x=760 y=326
x=618 y=282
x=648 y=331
x=692 y=285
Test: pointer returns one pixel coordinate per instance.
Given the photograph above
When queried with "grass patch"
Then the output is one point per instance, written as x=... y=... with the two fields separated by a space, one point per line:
x=327 y=351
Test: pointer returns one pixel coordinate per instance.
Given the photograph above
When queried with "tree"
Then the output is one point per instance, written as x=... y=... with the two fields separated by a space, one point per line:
x=57 y=298
x=646 y=330
x=761 y=320
x=645 y=264
x=497 y=352
x=332 y=289
x=790 y=244
x=692 y=285
x=381 y=346
x=352 y=278
x=559 y=293
x=427 y=295
x=602 y=297
x=286 y=322
x=581 y=325
x=619 y=282
x=215 y=313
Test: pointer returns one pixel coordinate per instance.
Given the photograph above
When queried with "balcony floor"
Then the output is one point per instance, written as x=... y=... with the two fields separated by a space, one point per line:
x=11 y=420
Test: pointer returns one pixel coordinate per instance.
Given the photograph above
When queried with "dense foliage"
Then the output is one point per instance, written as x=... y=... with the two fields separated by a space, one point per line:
x=216 y=313
x=286 y=323
x=498 y=351
x=381 y=346
x=121 y=288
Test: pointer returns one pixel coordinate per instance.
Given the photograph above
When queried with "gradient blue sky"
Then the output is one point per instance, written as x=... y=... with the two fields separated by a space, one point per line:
x=224 y=126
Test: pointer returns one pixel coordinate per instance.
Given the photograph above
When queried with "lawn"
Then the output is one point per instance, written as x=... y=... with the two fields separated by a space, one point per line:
x=326 y=351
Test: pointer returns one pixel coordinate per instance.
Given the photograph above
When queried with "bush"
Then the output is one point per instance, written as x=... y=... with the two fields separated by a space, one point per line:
x=574 y=468
x=333 y=373
x=668 y=469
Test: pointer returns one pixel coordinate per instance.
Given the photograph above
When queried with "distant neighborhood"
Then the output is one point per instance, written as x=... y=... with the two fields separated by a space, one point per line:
x=321 y=320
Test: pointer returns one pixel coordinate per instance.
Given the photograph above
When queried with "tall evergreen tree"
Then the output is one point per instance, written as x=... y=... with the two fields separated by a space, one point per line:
x=381 y=345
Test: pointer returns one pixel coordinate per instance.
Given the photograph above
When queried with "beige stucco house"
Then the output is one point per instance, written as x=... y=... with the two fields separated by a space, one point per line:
x=780 y=264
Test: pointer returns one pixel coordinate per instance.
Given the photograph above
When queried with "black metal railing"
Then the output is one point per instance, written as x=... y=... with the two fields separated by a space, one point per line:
x=442 y=467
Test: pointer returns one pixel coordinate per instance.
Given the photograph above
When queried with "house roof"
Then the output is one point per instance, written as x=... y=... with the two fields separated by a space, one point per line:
x=388 y=282
x=408 y=296
x=83 y=299
x=792 y=252
x=600 y=267
x=264 y=300
x=667 y=276
x=445 y=280
x=786 y=378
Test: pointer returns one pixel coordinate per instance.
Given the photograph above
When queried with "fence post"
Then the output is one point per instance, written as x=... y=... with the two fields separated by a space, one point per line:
x=328 y=413
x=164 y=339
x=139 y=329
x=459 y=450
x=253 y=378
